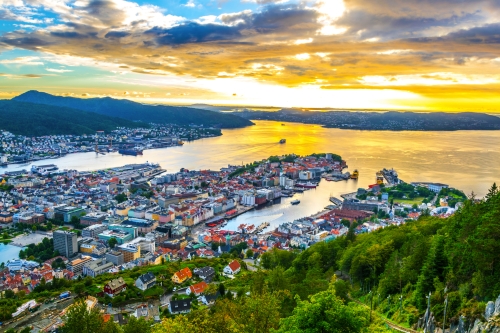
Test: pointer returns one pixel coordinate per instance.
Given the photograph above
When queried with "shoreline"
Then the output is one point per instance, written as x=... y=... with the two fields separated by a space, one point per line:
x=56 y=157
x=375 y=129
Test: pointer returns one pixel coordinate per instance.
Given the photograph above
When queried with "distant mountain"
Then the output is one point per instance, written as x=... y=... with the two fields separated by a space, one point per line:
x=383 y=121
x=138 y=112
x=39 y=119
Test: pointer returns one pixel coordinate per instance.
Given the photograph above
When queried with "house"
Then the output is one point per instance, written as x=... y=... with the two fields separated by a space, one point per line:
x=197 y=288
x=205 y=273
x=209 y=299
x=147 y=312
x=233 y=268
x=115 y=287
x=182 y=275
x=180 y=306
x=145 y=281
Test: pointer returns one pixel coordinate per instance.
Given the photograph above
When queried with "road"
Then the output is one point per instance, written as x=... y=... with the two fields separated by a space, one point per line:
x=251 y=265
x=165 y=299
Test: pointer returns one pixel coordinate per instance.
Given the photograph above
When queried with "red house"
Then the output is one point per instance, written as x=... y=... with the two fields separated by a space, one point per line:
x=115 y=287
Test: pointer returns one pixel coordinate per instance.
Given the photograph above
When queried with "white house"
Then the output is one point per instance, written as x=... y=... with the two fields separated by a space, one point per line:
x=233 y=268
x=145 y=281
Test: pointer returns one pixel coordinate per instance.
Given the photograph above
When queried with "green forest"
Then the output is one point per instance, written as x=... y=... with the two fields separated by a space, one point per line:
x=38 y=119
x=126 y=109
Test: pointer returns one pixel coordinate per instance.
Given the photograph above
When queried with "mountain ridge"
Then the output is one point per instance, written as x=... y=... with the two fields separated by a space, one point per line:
x=32 y=119
x=133 y=111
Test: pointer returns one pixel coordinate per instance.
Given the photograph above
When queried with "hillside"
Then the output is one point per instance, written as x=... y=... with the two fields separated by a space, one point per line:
x=127 y=109
x=460 y=253
x=383 y=121
x=39 y=119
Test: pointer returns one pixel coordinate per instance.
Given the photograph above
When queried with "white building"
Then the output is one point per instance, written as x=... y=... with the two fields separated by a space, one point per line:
x=305 y=175
x=233 y=268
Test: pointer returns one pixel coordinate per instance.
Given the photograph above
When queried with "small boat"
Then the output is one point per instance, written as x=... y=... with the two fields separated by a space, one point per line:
x=282 y=124
x=283 y=141
x=295 y=202
x=355 y=174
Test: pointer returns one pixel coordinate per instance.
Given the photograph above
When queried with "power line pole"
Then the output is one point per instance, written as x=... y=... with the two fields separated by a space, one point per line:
x=428 y=312
x=371 y=305
x=445 y=306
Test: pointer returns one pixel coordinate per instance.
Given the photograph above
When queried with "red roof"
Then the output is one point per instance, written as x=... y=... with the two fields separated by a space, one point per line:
x=234 y=265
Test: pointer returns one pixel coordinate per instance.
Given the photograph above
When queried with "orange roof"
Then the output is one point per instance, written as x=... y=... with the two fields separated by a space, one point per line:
x=184 y=273
x=199 y=287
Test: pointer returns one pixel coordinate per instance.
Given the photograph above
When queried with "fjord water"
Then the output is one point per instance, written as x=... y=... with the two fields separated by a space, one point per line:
x=468 y=160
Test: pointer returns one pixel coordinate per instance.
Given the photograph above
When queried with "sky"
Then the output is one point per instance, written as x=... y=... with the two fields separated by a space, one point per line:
x=358 y=54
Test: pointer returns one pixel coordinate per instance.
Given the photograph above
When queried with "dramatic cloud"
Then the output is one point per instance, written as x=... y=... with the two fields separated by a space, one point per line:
x=315 y=44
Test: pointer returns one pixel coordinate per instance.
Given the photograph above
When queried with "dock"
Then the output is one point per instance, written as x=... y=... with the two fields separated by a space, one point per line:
x=240 y=212
x=336 y=201
x=261 y=227
x=391 y=176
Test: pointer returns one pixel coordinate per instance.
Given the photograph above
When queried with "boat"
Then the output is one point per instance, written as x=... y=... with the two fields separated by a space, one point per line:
x=380 y=178
x=307 y=185
x=295 y=202
x=180 y=142
x=132 y=152
x=44 y=169
x=283 y=141
x=355 y=174
x=282 y=124
x=212 y=224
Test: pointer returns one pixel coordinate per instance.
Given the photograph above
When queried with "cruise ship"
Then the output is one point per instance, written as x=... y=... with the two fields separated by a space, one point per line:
x=44 y=169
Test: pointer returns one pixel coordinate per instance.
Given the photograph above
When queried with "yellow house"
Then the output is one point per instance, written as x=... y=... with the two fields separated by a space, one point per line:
x=87 y=248
x=182 y=275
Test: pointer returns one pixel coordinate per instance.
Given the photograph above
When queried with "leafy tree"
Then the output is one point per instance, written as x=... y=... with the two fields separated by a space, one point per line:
x=112 y=242
x=325 y=312
x=9 y=293
x=222 y=289
x=249 y=253
x=266 y=260
x=26 y=329
x=79 y=319
x=135 y=325
x=79 y=288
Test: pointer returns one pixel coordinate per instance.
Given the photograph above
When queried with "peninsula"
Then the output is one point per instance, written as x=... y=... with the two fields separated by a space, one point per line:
x=382 y=121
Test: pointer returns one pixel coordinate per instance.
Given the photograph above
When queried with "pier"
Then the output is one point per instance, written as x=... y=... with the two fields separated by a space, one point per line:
x=336 y=201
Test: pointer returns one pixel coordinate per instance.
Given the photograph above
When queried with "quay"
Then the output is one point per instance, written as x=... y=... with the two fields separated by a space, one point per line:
x=391 y=176
x=336 y=201
x=261 y=227
x=241 y=210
